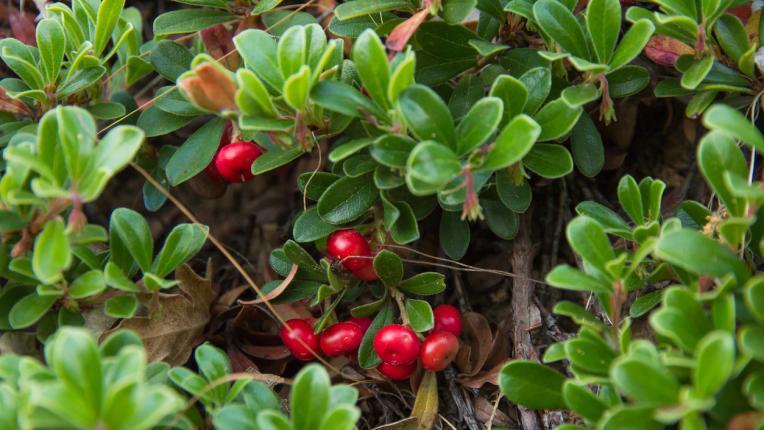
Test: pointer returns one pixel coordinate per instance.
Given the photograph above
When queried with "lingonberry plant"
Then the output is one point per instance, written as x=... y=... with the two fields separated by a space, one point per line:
x=366 y=161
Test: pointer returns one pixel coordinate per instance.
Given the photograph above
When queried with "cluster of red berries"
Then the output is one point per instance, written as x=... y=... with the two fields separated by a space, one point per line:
x=337 y=339
x=233 y=160
x=347 y=246
x=399 y=347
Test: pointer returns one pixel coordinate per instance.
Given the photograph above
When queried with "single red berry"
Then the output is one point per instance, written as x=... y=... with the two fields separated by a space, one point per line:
x=341 y=338
x=234 y=161
x=438 y=350
x=225 y=139
x=447 y=318
x=397 y=372
x=396 y=344
x=363 y=323
x=367 y=273
x=349 y=243
x=301 y=339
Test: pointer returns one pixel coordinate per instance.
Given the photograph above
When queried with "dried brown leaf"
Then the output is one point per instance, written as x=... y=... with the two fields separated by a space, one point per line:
x=177 y=321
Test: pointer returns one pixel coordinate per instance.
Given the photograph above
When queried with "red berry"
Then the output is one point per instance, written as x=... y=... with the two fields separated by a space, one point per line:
x=438 y=350
x=363 y=323
x=234 y=161
x=395 y=372
x=301 y=339
x=341 y=338
x=447 y=318
x=396 y=344
x=349 y=243
x=367 y=273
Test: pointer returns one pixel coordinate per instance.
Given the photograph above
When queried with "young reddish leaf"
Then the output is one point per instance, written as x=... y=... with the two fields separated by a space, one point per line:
x=664 y=50
x=401 y=34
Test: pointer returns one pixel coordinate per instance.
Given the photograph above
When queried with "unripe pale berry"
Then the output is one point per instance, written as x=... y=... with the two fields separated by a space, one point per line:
x=396 y=344
x=341 y=338
x=234 y=162
x=447 y=318
x=438 y=351
x=397 y=372
x=301 y=340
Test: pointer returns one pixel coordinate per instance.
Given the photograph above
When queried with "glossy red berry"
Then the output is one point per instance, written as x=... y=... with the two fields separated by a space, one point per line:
x=397 y=372
x=447 y=318
x=234 y=161
x=396 y=344
x=301 y=330
x=363 y=323
x=345 y=244
x=341 y=338
x=438 y=350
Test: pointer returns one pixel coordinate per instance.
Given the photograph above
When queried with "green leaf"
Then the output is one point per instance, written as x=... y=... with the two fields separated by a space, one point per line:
x=367 y=358
x=170 y=59
x=532 y=385
x=108 y=16
x=433 y=163
x=549 y=161
x=183 y=242
x=455 y=11
x=730 y=121
x=719 y=154
x=420 y=315
x=309 y=226
x=370 y=60
x=342 y=98
x=512 y=93
x=389 y=268
x=630 y=199
x=292 y=51
x=235 y=416
x=699 y=254
x=732 y=36
x=502 y=221
x=627 y=80
x=603 y=20
x=558 y=22
x=156 y=122
x=589 y=240
x=427 y=115
x=454 y=235
x=258 y=49
x=189 y=20
x=515 y=195
x=646 y=382
x=134 y=232
x=51 y=43
x=579 y=95
x=715 y=362
x=643 y=304
x=88 y=284
x=52 y=254
x=513 y=143
x=697 y=72
x=273 y=420
x=347 y=199
x=356 y=8
x=29 y=310
x=557 y=118
x=569 y=278
x=424 y=284
x=392 y=150
x=479 y=124
x=274 y=159
x=751 y=341
x=591 y=355
x=583 y=402
x=296 y=88
x=195 y=153
x=633 y=42
x=342 y=417
x=74 y=357
x=586 y=145
x=121 y=306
